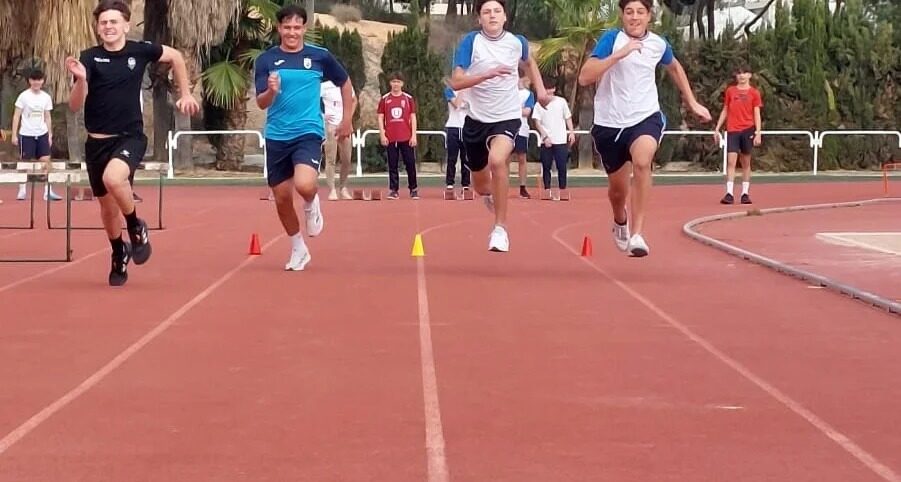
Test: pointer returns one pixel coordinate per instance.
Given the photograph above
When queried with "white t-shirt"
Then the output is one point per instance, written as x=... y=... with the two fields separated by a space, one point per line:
x=553 y=119
x=332 y=104
x=33 y=106
x=455 y=116
x=496 y=99
x=627 y=93
x=526 y=100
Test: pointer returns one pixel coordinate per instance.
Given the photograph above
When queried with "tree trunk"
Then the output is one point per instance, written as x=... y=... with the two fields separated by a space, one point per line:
x=157 y=30
x=699 y=10
x=6 y=91
x=451 y=14
x=184 y=155
x=74 y=129
x=711 y=18
x=586 y=119
x=230 y=154
x=162 y=121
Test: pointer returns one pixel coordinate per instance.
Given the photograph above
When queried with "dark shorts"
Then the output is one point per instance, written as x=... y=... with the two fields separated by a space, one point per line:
x=282 y=156
x=34 y=147
x=613 y=143
x=521 y=145
x=99 y=152
x=477 y=135
x=741 y=141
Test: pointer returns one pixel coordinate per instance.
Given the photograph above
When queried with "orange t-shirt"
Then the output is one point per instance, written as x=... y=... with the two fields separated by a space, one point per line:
x=740 y=104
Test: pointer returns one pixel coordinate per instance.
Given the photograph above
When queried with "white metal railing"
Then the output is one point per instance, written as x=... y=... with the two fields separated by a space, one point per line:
x=358 y=140
x=172 y=144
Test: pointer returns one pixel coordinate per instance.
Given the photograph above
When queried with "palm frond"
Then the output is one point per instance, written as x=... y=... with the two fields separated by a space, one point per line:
x=224 y=83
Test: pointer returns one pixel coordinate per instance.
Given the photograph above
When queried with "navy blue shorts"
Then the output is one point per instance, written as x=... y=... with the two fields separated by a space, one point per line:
x=98 y=152
x=613 y=143
x=282 y=156
x=741 y=141
x=34 y=147
x=521 y=145
x=477 y=136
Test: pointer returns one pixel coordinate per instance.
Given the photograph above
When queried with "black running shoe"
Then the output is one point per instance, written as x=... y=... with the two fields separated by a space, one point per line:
x=118 y=273
x=727 y=199
x=140 y=243
x=523 y=193
x=745 y=199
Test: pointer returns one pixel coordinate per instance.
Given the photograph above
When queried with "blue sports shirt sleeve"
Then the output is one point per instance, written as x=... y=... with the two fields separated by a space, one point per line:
x=449 y=94
x=604 y=46
x=525 y=47
x=333 y=70
x=530 y=101
x=667 y=54
x=463 y=57
x=261 y=74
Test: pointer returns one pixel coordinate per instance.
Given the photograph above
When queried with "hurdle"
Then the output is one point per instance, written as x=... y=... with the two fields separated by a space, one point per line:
x=886 y=167
x=19 y=177
x=159 y=167
x=33 y=179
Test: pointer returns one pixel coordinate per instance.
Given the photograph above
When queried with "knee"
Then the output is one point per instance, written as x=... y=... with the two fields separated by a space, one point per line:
x=113 y=181
x=641 y=166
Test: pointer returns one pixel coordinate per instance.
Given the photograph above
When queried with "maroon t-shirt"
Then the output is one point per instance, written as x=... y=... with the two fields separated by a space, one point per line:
x=398 y=111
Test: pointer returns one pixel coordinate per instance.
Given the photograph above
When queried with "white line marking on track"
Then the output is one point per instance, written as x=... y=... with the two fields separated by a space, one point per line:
x=839 y=438
x=42 y=416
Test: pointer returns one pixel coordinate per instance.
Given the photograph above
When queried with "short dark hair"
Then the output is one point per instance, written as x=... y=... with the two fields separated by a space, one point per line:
x=481 y=3
x=549 y=82
x=292 y=10
x=36 y=74
x=119 y=5
x=742 y=69
x=396 y=76
x=648 y=4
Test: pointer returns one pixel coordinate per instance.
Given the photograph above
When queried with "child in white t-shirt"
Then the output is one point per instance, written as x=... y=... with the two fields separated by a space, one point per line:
x=554 y=124
x=31 y=130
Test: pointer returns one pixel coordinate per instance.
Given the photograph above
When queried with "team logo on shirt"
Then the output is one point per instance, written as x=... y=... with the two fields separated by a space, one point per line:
x=307 y=63
x=279 y=62
x=396 y=112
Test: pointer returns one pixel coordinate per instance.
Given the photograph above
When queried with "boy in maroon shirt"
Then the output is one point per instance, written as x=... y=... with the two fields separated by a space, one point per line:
x=397 y=128
x=741 y=113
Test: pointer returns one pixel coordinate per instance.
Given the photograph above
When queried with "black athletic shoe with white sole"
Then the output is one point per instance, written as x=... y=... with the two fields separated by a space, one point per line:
x=140 y=243
x=118 y=273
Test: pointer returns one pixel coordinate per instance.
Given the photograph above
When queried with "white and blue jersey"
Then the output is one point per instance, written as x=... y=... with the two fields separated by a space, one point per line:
x=496 y=99
x=627 y=93
x=296 y=110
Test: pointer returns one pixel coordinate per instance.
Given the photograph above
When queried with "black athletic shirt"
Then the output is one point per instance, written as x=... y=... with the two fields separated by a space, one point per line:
x=113 y=105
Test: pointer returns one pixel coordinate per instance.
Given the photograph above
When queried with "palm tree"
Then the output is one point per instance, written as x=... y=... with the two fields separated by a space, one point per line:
x=62 y=28
x=195 y=26
x=227 y=76
x=579 y=24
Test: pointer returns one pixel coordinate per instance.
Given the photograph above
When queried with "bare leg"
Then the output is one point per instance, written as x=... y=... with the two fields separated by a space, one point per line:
x=642 y=152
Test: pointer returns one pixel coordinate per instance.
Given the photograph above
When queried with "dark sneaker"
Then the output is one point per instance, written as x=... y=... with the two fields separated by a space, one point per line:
x=727 y=199
x=118 y=273
x=745 y=199
x=140 y=243
x=136 y=198
x=523 y=193
x=414 y=194
x=393 y=195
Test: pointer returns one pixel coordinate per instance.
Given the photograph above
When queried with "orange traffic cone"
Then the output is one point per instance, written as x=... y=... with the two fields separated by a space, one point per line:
x=586 y=246
x=255 y=244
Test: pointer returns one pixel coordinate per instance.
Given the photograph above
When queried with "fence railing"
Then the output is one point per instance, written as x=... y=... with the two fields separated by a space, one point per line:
x=359 y=139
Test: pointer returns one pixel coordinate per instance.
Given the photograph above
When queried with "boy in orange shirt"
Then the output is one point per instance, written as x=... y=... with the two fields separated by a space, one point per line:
x=741 y=113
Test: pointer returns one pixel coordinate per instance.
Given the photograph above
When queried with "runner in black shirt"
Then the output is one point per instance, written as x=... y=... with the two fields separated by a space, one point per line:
x=108 y=85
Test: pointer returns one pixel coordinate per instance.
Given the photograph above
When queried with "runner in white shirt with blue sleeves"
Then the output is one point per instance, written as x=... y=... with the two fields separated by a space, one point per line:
x=628 y=124
x=486 y=63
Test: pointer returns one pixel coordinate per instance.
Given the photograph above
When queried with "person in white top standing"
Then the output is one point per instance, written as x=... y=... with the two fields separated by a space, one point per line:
x=336 y=149
x=628 y=124
x=554 y=124
x=486 y=63
x=456 y=113
x=521 y=144
x=32 y=128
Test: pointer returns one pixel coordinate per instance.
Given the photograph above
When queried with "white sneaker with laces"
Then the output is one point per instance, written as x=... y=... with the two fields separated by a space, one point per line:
x=314 y=218
x=299 y=259
x=637 y=247
x=620 y=235
x=498 y=241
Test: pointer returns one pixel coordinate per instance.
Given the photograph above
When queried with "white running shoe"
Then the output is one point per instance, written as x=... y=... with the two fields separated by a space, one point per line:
x=489 y=202
x=314 y=218
x=637 y=247
x=345 y=194
x=498 y=241
x=333 y=195
x=299 y=260
x=620 y=235
x=22 y=194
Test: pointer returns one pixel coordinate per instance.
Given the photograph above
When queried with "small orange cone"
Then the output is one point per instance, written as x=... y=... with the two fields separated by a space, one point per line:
x=586 y=246
x=255 y=244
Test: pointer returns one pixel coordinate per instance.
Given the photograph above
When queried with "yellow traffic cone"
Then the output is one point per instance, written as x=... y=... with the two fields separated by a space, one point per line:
x=418 y=251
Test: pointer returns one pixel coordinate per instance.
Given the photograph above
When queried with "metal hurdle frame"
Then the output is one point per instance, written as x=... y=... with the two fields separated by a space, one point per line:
x=34 y=178
x=160 y=167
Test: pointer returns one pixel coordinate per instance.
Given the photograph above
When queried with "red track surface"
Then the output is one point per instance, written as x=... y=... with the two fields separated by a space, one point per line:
x=686 y=365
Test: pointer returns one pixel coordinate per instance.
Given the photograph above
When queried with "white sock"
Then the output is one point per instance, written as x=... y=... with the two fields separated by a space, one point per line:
x=745 y=187
x=729 y=186
x=23 y=186
x=297 y=242
x=308 y=206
